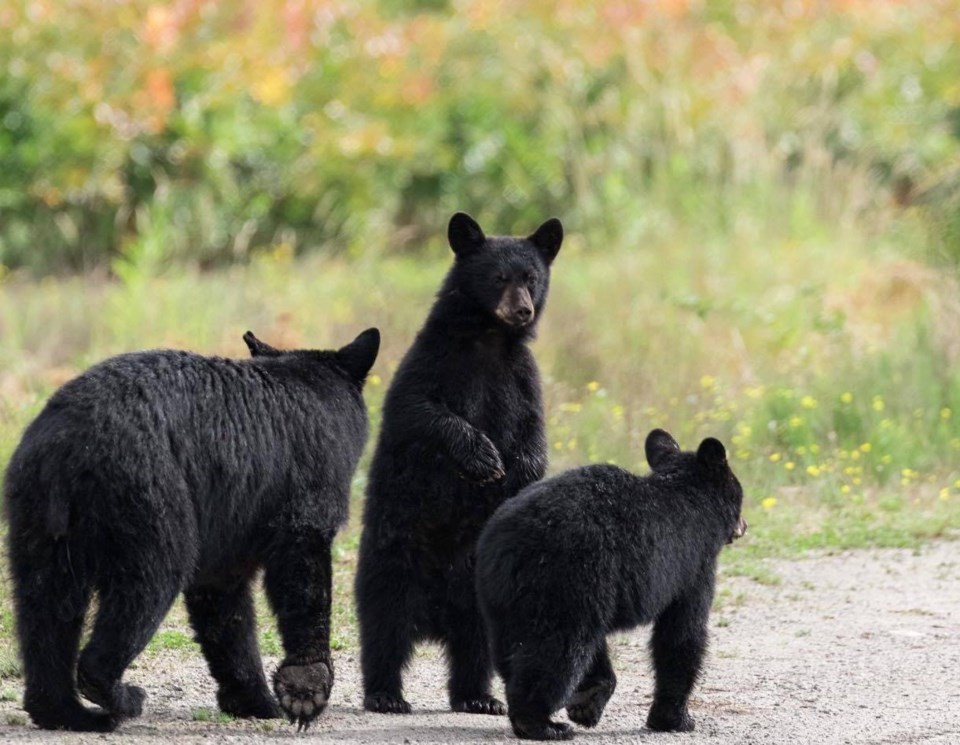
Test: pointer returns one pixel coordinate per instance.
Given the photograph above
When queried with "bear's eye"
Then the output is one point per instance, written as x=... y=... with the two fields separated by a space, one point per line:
x=529 y=279
x=501 y=279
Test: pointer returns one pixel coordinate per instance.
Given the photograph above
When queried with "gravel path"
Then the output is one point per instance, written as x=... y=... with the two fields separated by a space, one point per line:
x=862 y=647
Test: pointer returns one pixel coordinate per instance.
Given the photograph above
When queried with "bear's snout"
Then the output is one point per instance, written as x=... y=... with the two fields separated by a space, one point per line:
x=516 y=306
x=740 y=530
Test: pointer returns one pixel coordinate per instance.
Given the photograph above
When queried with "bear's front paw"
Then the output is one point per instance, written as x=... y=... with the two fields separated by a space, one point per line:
x=248 y=703
x=670 y=716
x=303 y=690
x=482 y=704
x=536 y=728
x=484 y=465
x=386 y=703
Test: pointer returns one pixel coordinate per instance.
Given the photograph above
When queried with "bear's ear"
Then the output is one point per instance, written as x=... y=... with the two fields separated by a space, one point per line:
x=661 y=448
x=464 y=234
x=547 y=238
x=258 y=348
x=712 y=454
x=359 y=355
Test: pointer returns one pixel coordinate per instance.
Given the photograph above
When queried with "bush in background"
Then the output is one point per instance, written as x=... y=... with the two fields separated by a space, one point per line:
x=360 y=126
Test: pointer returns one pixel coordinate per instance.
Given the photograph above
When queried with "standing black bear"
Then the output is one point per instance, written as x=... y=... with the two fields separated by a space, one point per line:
x=597 y=550
x=164 y=471
x=462 y=431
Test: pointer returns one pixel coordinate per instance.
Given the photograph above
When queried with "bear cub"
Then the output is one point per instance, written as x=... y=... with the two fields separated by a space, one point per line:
x=462 y=431
x=159 y=472
x=597 y=550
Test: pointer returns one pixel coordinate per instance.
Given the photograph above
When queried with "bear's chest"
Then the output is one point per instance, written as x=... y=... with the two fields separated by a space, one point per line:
x=494 y=399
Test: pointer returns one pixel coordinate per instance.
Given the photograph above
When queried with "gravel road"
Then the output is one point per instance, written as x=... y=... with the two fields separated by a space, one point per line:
x=860 y=647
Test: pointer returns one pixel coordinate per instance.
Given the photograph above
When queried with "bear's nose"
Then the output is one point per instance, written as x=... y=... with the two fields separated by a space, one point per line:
x=523 y=313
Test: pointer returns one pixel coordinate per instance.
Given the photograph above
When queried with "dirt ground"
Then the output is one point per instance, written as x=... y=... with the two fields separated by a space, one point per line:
x=861 y=647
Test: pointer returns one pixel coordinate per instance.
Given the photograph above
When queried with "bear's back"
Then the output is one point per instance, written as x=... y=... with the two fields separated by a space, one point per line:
x=221 y=441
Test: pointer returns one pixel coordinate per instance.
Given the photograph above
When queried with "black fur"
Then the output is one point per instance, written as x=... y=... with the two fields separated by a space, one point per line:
x=596 y=550
x=160 y=472
x=462 y=431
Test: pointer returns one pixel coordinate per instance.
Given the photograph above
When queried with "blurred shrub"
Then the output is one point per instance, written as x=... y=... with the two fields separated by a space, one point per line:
x=359 y=126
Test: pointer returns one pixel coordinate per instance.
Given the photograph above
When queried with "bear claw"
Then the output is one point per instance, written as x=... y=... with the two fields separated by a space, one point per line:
x=385 y=703
x=485 y=704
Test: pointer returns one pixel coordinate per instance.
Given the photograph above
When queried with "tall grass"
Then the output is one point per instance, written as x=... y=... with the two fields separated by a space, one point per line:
x=827 y=364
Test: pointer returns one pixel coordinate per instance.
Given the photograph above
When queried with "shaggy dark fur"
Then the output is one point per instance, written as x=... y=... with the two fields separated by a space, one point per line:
x=597 y=550
x=462 y=431
x=160 y=472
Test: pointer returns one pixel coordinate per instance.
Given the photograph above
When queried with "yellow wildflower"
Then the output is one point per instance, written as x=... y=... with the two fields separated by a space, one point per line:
x=593 y=386
x=768 y=502
x=846 y=397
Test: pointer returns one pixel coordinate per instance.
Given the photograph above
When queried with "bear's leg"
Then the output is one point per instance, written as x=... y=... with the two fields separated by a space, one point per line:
x=544 y=671
x=126 y=619
x=298 y=582
x=223 y=617
x=51 y=602
x=593 y=693
x=678 y=644
x=471 y=667
x=386 y=637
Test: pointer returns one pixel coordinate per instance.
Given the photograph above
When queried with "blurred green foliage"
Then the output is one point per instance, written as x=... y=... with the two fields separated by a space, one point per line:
x=358 y=127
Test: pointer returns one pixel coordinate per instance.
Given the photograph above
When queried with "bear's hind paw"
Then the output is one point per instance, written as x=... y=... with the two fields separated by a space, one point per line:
x=586 y=707
x=303 y=691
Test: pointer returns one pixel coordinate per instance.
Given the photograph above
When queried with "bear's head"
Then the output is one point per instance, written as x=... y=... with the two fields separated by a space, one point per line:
x=504 y=277
x=353 y=360
x=709 y=467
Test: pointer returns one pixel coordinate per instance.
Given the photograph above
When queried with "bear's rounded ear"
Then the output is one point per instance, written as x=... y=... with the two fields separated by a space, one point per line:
x=661 y=448
x=259 y=348
x=359 y=355
x=547 y=238
x=712 y=454
x=464 y=234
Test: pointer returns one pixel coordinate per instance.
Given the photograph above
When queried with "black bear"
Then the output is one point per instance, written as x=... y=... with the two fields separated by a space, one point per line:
x=462 y=431
x=596 y=550
x=163 y=471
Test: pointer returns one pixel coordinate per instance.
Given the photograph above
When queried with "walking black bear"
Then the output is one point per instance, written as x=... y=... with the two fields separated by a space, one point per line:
x=164 y=471
x=462 y=431
x=596 y=550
